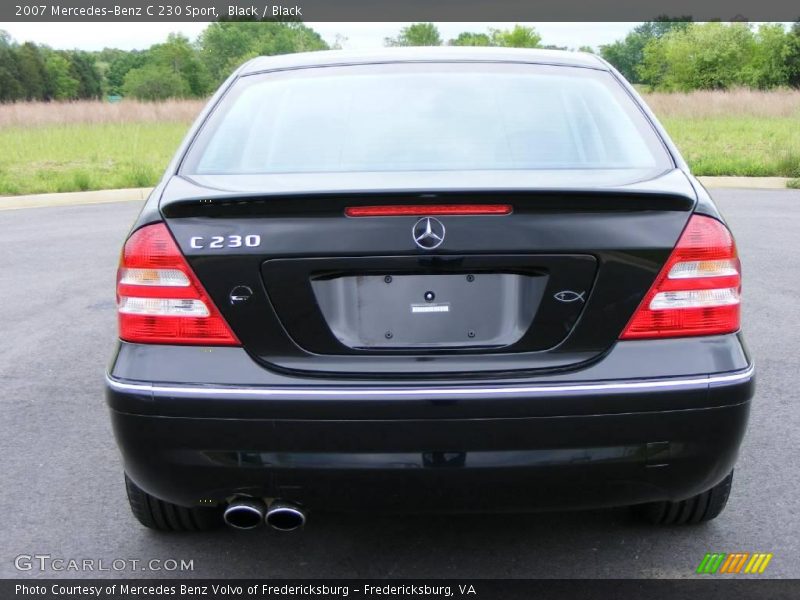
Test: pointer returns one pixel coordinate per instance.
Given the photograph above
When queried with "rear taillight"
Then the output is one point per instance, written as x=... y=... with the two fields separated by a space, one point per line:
x=160 y=300
x=697 y=291
x=416 y=210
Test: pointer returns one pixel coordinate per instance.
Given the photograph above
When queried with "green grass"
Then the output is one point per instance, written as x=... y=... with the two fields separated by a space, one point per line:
x=65 y=158
x=740 y=145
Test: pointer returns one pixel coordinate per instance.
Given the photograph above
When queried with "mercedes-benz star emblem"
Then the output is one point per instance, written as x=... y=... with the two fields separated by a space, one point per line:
x=428 y=233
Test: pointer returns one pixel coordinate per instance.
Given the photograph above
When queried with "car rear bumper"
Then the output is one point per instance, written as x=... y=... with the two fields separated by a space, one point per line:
x=557 y=443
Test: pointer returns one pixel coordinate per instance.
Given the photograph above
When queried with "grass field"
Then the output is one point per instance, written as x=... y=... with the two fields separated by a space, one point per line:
x=94 y=145
x=65 y=158
x=88 y=145
x=749 y=146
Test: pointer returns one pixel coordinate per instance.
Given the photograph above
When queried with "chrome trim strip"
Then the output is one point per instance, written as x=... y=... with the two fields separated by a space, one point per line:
x=266 y=392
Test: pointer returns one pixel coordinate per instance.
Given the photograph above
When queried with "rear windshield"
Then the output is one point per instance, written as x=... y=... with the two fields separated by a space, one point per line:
x=425 y=117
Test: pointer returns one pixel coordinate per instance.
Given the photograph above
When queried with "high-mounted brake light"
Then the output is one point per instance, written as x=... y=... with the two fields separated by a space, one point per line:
x=697 y=291
x=427 y=210
x=159 y=298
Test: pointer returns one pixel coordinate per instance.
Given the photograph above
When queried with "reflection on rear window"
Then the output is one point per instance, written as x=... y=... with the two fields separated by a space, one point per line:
x=411 y=117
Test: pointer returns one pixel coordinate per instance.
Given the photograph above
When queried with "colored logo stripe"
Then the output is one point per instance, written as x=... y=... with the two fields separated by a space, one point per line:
x=720 y=562
x=758 y=563
x=734 y=562
x=710 y=563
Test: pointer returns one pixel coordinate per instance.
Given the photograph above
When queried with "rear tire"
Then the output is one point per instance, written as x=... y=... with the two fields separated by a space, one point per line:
x=697 y=509
x=165 y=516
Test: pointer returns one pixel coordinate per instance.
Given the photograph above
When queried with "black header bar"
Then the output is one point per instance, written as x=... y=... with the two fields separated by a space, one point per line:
x=710 y=588
x=395 y=10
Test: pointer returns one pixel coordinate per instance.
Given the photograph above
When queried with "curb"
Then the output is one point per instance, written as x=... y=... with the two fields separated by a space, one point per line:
x=73 y=198
x=131 y=194
x=747 y=183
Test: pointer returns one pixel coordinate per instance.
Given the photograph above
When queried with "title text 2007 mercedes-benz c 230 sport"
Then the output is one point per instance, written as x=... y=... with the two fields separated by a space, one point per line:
x=442 y=279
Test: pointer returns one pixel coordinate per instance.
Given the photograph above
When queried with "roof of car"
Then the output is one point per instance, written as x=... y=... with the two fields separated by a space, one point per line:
x=423 y=54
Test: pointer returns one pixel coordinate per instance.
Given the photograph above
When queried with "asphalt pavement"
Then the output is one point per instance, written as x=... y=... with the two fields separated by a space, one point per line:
x=63 y=493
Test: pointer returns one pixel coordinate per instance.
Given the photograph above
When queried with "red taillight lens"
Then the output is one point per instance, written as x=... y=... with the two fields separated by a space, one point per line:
x=697 y=291
x=159 y=298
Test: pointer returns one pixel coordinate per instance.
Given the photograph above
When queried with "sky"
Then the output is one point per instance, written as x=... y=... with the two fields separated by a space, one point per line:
x=359 y=36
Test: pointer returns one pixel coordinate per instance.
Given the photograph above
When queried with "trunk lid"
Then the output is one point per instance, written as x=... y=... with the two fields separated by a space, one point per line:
x=549 y=286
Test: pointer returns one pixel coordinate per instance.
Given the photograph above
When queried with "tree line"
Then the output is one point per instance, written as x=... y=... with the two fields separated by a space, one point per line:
x=176 y=68
x=32 y=72
x=664 y=54
x=678 y=55
x=427 y=34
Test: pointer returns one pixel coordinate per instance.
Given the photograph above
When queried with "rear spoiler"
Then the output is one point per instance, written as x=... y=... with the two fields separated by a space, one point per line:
x=186 y=198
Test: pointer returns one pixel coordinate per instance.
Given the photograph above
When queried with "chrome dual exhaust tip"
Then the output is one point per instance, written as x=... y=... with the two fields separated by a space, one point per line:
x=285 y=517
x=250 y=513
x=245 y=513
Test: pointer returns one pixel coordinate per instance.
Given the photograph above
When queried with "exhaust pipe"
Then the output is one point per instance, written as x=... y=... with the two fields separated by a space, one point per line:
x=245 y=513
x=285 y=517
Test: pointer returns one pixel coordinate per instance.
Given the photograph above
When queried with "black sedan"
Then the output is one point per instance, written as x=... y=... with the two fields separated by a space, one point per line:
x=432 y=279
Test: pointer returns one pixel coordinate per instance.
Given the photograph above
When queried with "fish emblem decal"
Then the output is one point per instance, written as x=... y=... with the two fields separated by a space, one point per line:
x=569 y=296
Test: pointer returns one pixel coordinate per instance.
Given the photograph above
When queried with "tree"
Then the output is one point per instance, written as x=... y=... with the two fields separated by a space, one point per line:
x=10 y=86
x=704 y=56
x=418 y=34
x=661 y=26
x=519 y=37
x=792 y=56
x=154 y=82
x=768 y=66
x=178 y=55
x=627 y=55
x=109 y=55
x=224 y=45
x=468 y=38
x=84 y=70
x=32 y=74
x=120 y=66
x=62 y=85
